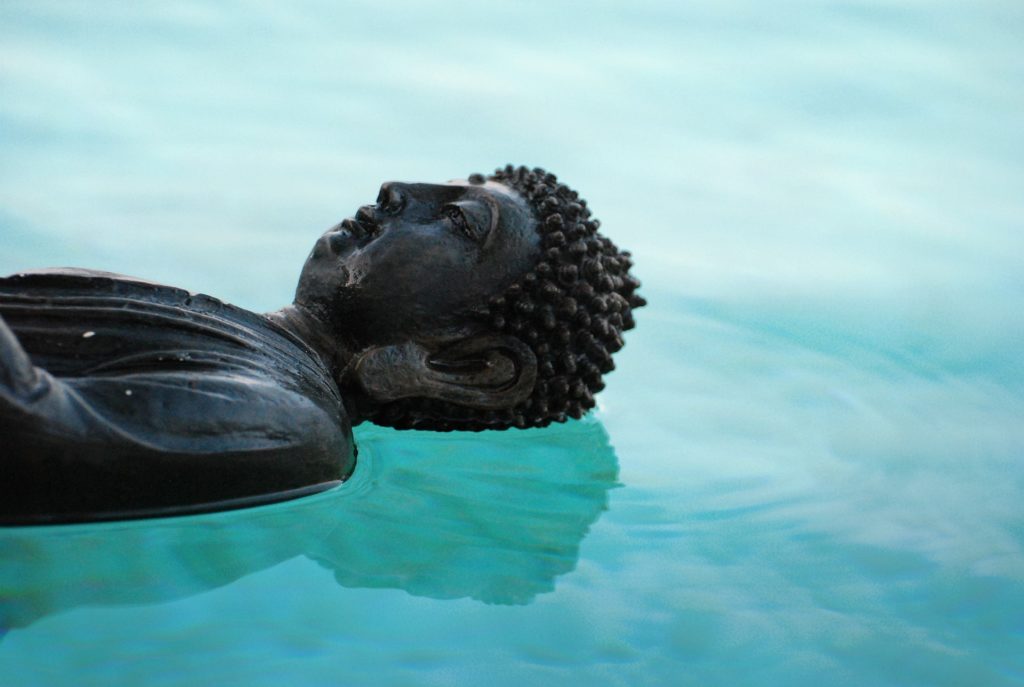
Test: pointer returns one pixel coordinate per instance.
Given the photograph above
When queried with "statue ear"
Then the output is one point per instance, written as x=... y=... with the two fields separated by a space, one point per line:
x=486 y=371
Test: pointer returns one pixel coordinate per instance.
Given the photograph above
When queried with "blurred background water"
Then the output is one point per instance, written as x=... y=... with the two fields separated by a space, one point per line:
x=808 y=466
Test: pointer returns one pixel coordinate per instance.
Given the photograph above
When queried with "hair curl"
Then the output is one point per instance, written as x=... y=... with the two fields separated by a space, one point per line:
x=571 y=310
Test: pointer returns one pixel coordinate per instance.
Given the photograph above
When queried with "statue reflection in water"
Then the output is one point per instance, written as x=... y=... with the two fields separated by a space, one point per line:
x=495 y=517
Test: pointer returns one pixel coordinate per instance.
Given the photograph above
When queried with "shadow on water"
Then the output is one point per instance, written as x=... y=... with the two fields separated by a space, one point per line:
x=493 y=516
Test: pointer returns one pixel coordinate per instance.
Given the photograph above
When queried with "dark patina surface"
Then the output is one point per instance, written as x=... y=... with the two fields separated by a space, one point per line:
x=478 y=304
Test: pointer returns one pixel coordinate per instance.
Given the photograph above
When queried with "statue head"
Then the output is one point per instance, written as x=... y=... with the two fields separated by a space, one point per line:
x=485 y=303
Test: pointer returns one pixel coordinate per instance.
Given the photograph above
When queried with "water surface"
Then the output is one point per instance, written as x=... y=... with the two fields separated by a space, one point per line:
x=809 y=465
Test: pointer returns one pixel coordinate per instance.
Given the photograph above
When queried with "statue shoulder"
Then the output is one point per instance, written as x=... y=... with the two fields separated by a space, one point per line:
x=76 y=273
x=58 y=281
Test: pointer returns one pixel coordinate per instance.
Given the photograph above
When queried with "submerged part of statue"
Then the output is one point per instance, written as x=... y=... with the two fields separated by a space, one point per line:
x=486 y=303
x=507 y=515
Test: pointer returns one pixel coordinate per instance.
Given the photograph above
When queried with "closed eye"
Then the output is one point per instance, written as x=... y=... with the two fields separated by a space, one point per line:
x=470 y=218
x=461 y=221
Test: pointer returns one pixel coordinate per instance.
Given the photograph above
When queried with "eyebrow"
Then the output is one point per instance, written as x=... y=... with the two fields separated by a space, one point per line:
x=495 y=208
x=495 y=215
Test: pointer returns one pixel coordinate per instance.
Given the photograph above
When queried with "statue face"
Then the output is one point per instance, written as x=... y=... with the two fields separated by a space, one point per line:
x=411 y=266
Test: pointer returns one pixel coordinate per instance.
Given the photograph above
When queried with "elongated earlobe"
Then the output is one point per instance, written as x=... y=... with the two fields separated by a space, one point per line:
x=486 y=371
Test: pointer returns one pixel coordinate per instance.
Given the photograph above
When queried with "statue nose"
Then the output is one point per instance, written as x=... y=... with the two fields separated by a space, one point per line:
x=391 y=198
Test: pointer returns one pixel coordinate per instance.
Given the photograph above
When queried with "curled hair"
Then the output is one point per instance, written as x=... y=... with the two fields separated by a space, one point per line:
x=570 y=309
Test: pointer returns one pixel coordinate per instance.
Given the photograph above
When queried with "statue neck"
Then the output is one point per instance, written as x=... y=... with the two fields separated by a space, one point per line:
x=335 y=352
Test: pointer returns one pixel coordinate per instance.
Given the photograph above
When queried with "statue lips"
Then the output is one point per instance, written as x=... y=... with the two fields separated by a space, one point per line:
x=358 y=231
x=363 y=227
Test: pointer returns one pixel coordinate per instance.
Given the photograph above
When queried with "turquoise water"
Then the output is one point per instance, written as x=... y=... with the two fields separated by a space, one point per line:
x=808 y=468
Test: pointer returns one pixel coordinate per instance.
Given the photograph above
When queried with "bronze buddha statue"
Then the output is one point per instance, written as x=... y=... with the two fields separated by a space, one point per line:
x=487 y=303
